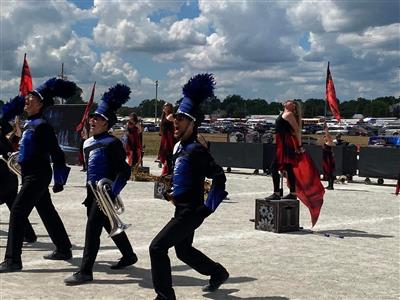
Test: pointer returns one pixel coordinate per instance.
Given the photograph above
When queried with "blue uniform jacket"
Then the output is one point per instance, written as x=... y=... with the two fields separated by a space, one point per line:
x=105 y=158
x=38 y=145
x=192 y=164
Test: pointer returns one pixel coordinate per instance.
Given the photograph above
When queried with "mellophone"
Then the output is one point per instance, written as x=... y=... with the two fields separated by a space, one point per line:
x=12 y=163
x=109 y=206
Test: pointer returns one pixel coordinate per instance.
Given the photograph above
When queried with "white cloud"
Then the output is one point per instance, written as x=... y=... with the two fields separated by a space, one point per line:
x=125 y=25
x=254 y=48
x=111 y=66
x=373 y=38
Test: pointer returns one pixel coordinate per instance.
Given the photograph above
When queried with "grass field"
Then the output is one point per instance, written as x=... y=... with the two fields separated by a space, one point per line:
x=151 y=140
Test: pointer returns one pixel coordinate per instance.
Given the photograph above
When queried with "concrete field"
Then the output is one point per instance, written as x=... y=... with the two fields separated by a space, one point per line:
x=364 y=264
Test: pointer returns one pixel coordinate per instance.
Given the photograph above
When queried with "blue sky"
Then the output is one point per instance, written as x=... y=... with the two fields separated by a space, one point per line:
x=274 y=50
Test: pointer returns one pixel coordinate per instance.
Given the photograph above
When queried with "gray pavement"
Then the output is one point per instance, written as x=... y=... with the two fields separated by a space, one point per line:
x=263 y=265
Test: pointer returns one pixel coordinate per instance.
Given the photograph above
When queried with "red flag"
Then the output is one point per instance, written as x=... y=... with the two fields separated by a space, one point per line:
x=331 y=95
x=25 y=86
x=309 y=188
x=87 y=110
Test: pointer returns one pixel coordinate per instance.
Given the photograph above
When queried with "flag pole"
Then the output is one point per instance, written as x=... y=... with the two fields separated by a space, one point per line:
x=326 y=100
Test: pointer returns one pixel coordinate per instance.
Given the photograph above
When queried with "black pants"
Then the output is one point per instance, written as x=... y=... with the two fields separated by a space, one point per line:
x=276 y=177
x=34 y=193
x=29 y=233
x=178 y=233
x=7 y=196
x=95 y=223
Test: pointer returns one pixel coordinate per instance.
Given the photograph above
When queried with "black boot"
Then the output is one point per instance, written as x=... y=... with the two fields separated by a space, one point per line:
x=8 y=266
x=78 y=278
x=124 y=262
x=218 y=278
x=330 y=184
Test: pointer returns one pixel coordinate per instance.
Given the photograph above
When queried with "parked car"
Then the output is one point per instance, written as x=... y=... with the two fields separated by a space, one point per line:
x=359 y=130
x=335 y=129
x=311 y=128
x=390 y=130
x=150 y=127
x=205 y=129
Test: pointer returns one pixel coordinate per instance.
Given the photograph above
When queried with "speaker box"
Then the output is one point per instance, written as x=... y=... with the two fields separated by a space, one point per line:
x=160 y=187
x=277 y=215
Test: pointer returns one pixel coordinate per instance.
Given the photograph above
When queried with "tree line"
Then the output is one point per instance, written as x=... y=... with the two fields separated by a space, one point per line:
x=235 y=106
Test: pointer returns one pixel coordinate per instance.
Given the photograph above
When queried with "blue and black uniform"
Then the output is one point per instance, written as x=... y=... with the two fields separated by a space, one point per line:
x=192 y=162
x=104 y=158
x=9 y=185
x=38 y=147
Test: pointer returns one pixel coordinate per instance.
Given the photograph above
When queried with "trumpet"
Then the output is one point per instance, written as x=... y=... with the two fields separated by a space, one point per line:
x=12 y=163
x=111 y=208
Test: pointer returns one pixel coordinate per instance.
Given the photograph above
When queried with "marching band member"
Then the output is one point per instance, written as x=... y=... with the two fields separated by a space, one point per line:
x=38 y=144
x=104 y=158
x=192 y=163
x=9 y=180
x=167 y=139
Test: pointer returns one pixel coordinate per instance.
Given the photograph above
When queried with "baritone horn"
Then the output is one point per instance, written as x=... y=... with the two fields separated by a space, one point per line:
x=12 y=163
x=111 y=208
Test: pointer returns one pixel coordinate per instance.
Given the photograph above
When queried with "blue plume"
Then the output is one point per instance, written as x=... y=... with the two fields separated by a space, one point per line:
x=116 y=96
x=199 y=87
x=56 y=87
x=13 y=108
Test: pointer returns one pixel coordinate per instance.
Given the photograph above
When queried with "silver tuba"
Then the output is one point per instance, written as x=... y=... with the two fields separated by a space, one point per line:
x=12 y=163
x=108 y=206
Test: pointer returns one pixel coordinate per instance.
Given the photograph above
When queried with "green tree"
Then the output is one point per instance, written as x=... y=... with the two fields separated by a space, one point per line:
x=146 y=108
x=314 y=107
x=234 y=106
x=76 y=98
x=274 y=108
x=210 y=106
x=256 y=107
x=377 y=108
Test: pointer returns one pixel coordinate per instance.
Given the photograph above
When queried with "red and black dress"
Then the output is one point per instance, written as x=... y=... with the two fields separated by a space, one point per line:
x=166 y=146
x=328 y=164
x=133 y=146
x=285 y=154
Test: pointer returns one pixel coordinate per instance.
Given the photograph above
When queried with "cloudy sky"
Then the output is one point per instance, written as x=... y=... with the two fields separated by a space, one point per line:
x=273 y=50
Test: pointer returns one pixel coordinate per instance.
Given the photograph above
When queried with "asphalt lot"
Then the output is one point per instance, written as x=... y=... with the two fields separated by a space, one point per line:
x=365 y=264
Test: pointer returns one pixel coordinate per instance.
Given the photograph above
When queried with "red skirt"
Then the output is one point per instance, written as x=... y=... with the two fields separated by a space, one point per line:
x=166 y=146
x=328 y=162
x=286 y=146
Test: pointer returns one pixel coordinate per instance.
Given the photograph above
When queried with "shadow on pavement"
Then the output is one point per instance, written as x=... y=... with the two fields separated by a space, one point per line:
x=224 y=294
x=342 y=233
x=350 y=190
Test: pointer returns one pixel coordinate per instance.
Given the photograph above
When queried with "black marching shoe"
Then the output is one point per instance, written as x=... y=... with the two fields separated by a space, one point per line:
x=124 y=262
x=163 y=298
x=216 y=280
x=59 y=255
x=274 y=196
x=8 y=266
x=78 y=278
x=289 y=196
